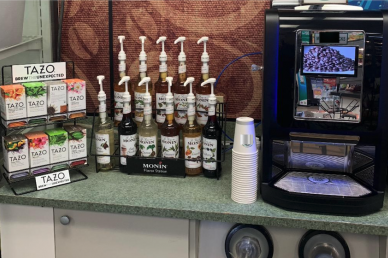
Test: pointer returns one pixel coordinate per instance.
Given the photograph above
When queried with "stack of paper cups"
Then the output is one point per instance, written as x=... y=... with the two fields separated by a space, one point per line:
x=244 y=162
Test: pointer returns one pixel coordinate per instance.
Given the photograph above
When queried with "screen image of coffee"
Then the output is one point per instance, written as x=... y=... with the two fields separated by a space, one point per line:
x=329 y=60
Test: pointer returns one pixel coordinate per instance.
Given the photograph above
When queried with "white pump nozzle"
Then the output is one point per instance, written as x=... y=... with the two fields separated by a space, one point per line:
x=182 y=55
x=143 y=55
x=190 y=96
x=147 y=97
x=146 y=80
x=122 y=55
x=205 y=55
x=126 y=96
x=101 y=95
x=212 y=97
x=169 y=94
x=169 y=97
x=163 y=55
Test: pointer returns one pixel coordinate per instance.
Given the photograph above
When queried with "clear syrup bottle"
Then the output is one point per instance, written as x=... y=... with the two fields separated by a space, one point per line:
x=127 y=129
x=104 y=133
x=120 y=89
x=148 y=131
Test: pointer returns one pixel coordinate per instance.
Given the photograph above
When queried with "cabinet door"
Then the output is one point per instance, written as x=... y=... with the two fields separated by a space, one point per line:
x=102 y=235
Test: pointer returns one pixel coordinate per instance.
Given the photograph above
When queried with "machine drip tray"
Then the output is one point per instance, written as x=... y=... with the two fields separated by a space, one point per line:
x=321 y=184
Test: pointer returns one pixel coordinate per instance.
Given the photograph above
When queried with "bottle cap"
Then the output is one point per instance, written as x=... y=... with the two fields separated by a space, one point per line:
x=163 y=55
x=147 y=96
x=101 y=95
x=205 y=56
x=122 y=55
x=212 y=97
x=143 y=55
x=182 y=55
x=169 y=96
x=190 y=96
x=126 y=96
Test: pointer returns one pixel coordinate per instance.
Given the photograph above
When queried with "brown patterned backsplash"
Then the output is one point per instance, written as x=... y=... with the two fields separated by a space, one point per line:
x=234 y=28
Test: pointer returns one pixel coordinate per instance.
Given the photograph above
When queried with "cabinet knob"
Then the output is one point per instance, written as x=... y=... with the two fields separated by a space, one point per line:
x=65 y=220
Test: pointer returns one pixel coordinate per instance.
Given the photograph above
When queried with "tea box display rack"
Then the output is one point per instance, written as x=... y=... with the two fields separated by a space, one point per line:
x=30 y=183
x=157 y=166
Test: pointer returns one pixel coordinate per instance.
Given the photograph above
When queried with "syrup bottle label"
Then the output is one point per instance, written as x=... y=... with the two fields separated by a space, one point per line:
x=147 y=146
x=170 y=146
x=209 y=151
x=127 y=147
x=193 y=151
x=180 y=101
x=102 y=148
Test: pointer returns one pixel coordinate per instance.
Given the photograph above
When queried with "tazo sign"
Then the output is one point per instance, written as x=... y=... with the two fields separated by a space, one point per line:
x=38 y=72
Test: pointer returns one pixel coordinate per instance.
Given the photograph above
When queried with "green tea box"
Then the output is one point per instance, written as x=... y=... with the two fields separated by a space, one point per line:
x=77 y=145
x=15 y=151
x=58 y=145
x=36 y=99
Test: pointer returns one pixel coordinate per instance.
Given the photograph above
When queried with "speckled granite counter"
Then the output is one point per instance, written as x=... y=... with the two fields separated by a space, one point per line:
x=191 y=198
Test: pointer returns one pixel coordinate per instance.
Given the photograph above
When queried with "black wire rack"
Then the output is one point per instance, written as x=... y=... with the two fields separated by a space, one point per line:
x=27 y=184
x=135 y=164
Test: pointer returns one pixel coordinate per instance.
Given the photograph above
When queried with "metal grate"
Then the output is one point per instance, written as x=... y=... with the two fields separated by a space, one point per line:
x=367 y=174
x=318 y=162
x=360 y=160
x=321 y=184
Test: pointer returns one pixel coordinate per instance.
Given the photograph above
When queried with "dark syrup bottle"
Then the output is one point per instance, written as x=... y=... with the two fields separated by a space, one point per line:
x=211 y=142
x=127 y=130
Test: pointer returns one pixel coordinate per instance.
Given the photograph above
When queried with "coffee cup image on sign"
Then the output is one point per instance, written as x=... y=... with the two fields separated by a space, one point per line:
x=247 y=140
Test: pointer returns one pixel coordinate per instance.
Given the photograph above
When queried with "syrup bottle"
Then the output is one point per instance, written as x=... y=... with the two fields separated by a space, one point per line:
x=211 y=149
x=148 y=131
x=203 y=92
x=104 y=135
x=170 y=129
x=127 y=129
x=180 y=91
x=192 y=141
x=120 y=89
x=161 y=86
x=141 y=91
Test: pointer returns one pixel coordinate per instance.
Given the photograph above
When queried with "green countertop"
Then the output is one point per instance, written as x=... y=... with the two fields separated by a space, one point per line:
x=190 y=198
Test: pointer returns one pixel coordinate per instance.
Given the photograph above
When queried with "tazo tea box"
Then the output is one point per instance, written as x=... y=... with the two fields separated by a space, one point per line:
x=76 y=94
x=13 y=102
x=58 y=145
x=77 y=145
x=36 y=99
x=38 y=143
x=15 y=150
x=56 y=97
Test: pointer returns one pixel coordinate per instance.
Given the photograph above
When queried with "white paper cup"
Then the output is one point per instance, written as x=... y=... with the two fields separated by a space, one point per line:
x=244 y=135
x=244 y=200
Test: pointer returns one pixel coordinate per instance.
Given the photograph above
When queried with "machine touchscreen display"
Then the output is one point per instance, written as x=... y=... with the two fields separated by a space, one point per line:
x=329 y=60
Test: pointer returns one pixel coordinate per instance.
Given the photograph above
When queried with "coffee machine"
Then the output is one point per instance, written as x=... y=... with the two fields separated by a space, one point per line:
x=325 y=111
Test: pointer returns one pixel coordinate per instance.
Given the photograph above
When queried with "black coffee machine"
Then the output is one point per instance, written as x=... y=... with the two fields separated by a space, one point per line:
x=325 y=111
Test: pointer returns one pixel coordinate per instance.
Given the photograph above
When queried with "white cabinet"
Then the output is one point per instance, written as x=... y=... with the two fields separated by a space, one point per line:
x=101 y=235
x=37 y=232
x=26 y=231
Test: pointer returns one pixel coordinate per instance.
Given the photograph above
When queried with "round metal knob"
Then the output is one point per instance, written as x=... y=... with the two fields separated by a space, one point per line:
x=65 y=220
